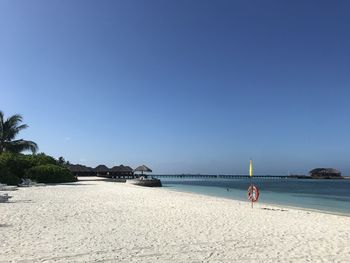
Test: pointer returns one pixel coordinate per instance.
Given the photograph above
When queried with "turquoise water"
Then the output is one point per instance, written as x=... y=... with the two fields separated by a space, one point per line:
x=325 y=195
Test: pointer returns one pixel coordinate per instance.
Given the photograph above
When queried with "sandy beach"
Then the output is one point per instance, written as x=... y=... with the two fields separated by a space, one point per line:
x=94 y=220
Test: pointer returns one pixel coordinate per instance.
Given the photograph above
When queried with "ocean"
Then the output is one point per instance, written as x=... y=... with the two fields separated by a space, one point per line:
x=331 y=196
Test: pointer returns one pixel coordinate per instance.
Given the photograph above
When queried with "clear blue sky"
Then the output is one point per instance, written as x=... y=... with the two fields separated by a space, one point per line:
x=181 y=86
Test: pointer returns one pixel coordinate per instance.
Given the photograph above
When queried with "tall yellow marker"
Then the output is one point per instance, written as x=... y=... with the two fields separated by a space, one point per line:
x=251 y=168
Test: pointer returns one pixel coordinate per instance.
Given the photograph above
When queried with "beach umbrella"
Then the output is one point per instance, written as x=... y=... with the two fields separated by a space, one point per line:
x=142 y=169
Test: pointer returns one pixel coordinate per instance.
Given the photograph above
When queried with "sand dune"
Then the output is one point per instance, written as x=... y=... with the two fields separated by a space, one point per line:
x=114 y=222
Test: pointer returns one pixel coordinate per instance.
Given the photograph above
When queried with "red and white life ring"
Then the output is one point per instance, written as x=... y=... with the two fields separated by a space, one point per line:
x=253 y=193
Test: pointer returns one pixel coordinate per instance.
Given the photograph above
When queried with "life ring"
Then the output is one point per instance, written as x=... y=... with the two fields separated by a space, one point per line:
x=253 y=193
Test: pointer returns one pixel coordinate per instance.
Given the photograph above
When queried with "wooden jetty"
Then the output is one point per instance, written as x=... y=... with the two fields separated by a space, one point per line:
x=220 y=176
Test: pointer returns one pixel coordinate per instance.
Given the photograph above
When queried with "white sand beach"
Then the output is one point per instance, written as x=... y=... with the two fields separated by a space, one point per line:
x=115 y=222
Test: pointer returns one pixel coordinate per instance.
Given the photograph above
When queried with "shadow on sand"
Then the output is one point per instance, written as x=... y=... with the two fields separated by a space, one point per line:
x=69 y=184
x=79 y=182
x=21 y=202
x=97 y=179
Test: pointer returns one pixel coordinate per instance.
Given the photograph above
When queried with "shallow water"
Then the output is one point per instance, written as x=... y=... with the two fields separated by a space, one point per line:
x=325 y=195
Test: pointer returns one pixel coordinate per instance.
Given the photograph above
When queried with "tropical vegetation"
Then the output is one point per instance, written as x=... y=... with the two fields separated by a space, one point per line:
x=50 y=173
x=9 y=129
x=15 y=166
x=40 y=167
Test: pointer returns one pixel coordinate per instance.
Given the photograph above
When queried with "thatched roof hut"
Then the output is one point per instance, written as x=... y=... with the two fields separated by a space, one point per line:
x=121 y=168
x=325 y=173
x=142 y=169
x=80 y=170
x=102 y=169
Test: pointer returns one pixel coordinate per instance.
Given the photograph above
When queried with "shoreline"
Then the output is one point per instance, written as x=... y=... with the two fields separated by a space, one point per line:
x=265 y=203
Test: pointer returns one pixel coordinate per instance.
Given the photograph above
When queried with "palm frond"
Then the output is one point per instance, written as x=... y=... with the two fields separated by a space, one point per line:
x=14 y=120
x=18 y=146
x=10 y=127
x=1 y=124
x=21 y=127
x=1 y=116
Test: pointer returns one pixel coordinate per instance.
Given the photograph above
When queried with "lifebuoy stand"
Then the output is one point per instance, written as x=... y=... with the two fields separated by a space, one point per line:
x=253 y=194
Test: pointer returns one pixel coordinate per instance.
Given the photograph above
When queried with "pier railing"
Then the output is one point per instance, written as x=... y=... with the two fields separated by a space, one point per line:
x=220 y=176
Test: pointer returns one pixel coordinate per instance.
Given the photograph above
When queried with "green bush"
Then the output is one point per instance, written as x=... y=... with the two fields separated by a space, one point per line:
x=16 y=164
x=6 y=177
x=50 y=173
x=40 y=159
x=39 y=167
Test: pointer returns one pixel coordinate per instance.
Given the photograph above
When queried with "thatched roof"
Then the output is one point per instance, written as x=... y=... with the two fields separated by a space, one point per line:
x=121 y=168
x=78 y=168
x=102 y=168
x=325 y=171
x=143 y=168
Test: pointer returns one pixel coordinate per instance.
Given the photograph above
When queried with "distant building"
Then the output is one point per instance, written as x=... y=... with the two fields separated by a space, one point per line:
x=80 y=170
x=102 y=170
x=121 y=171
x=325 y=173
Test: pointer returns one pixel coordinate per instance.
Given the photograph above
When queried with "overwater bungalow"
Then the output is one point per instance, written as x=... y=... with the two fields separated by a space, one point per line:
x=118 y=172
x=121 y=172
x=81 y=170
x=102 y=170
x=325 y=173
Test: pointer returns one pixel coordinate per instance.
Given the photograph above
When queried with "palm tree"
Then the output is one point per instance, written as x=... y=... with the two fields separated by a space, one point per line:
x=8 y=131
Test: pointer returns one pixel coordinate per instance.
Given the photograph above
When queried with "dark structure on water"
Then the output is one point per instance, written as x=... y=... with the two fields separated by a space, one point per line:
x=118 y=172
x=121 y=171
x=102 y=170
x=81 y=170
x=325 y=173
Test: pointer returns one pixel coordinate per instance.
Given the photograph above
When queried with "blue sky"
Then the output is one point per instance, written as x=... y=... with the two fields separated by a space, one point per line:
x=181 y=86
